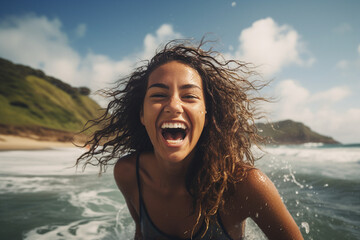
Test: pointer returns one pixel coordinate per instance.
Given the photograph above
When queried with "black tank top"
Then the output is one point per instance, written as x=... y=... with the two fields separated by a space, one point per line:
x=149 y=231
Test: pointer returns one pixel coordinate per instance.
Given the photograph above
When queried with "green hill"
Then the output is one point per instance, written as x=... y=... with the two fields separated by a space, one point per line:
x=290 y=132
x=32 y=103
x=29 y=99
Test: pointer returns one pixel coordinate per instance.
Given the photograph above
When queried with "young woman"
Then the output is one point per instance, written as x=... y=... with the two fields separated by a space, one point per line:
x=181 y=128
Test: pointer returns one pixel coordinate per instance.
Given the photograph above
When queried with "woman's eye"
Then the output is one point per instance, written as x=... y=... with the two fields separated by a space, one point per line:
x=190 y=97
x=158 y=95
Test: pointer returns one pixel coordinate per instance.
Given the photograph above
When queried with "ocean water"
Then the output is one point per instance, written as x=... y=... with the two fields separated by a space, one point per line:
x=43 y=197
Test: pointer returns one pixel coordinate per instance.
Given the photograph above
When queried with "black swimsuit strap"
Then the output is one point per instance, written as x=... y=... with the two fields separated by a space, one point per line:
x=137 y=170
x=138 y=183
x=156 y=232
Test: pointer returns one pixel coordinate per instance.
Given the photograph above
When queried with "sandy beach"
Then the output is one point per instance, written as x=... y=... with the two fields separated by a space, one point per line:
x=11 y=142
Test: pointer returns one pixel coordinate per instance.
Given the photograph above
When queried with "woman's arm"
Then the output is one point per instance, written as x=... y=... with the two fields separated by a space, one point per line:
x=267 y=209
x=125 y=178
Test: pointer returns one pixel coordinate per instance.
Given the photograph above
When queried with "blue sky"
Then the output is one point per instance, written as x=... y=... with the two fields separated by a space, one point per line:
x=311 y=49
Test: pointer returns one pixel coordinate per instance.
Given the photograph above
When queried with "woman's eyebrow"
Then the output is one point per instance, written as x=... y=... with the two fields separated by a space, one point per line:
x=186 y=86
x=159 y=85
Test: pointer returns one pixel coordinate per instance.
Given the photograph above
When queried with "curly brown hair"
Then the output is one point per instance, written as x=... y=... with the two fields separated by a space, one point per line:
x=224 y=149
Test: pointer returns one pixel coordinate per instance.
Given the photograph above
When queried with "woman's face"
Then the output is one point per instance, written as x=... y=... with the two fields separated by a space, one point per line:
x=174 y=110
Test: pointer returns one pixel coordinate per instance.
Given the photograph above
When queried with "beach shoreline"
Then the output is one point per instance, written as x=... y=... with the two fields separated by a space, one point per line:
x=12 y=142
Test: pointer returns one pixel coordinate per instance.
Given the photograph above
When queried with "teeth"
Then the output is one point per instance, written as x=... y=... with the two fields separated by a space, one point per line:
x=174 y=141
x=173 y=125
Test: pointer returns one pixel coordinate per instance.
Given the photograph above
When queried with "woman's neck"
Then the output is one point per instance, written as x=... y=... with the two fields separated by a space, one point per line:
x=170 y=175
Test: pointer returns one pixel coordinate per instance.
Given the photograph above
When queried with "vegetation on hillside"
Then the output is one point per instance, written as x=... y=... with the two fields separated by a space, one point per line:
x=290 y=132
x=29 y=98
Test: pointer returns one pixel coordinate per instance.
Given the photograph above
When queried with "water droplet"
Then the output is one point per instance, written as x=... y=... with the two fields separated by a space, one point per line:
x=306 y=226
x=256 y=215
x=296 y=192
x=326 y=185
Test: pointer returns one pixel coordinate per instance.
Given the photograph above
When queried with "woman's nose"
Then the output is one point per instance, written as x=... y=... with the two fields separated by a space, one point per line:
x=174 y=106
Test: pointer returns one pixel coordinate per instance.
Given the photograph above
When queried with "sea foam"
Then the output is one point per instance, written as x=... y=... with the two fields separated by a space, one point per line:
x=340 y=155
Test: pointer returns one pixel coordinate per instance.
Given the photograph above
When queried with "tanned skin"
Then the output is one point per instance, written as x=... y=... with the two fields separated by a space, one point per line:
x=175 y=96
x=255 y=197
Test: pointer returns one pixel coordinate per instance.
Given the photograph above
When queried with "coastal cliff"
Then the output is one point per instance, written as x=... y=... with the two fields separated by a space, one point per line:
x=42 y=107
x=291 y=132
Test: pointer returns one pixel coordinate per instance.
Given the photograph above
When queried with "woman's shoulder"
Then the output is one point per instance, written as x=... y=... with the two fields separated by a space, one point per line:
x=257 y=185
x=265 y=206
x=125 y=172
x=255 y=190
x=255 y=177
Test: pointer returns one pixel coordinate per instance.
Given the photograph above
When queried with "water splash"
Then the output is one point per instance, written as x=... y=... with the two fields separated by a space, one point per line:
x=125 y=227
x=291 y=172
x=305 y=225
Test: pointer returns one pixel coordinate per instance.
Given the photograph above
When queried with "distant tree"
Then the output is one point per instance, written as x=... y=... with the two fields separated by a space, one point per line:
x=84 y=91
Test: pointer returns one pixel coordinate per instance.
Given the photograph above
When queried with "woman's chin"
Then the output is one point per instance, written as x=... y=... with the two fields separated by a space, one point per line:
x=176 y=156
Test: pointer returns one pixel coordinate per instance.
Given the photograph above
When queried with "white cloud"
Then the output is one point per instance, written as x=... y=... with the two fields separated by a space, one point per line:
x=41 y=43
x=271 y=46
x=292 y=97
x=233 y=4
x=349 y=64
x=343 y=28
x=80 y=30
x=151 y=42
x=342 y=64
x=317 y=110
x=331 y=96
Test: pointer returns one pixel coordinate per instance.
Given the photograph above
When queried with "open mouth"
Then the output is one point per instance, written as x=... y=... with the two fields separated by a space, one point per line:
x=173 y=132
